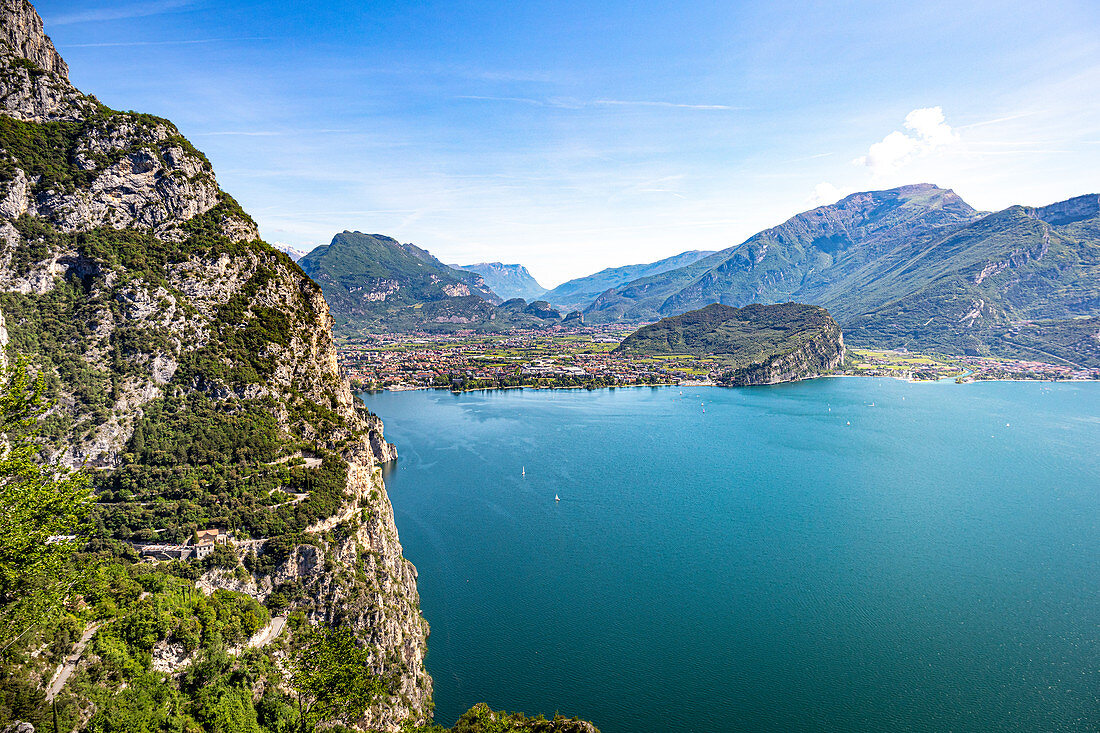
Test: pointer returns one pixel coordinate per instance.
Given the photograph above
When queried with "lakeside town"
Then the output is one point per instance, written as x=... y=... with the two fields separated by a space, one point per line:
x=583 y=357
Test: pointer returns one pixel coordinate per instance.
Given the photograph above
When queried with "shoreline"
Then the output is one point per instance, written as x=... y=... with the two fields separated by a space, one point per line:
x=951 y=380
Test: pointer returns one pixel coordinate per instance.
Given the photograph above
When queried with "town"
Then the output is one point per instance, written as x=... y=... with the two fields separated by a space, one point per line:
x=582 y=357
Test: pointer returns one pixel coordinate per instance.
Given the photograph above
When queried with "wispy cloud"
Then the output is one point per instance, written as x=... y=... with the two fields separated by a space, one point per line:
x=168 y=43
x=1019 y=151
x=120 y=12
x=567 y=103
x=996 y=121
x=519 y=100
x=804 y=158
x=646 y=103
x=268 y=133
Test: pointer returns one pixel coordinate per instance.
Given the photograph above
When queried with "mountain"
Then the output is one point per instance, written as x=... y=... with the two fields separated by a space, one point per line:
x=913 y=266
x=191 y=367
x=291 y=252
x=802 y=254
x=757 y=344
x=372 y=281
x=578 y=294
x=507 y=281
x=1002 y=284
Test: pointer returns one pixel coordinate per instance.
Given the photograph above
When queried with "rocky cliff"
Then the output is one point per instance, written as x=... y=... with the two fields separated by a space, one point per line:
x=821 y=353
x=757 y=344
x=190 y=362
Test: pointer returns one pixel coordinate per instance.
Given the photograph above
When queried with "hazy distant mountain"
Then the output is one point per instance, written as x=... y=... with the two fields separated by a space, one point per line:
x=374 y=281
x=578 y=294
x=915 y=266
x=507 y=281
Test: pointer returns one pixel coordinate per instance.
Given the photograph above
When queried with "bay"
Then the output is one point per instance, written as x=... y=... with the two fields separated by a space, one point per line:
x=840 y=554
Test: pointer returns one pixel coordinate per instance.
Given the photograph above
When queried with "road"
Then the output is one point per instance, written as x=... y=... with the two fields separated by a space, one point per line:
x=69 y=666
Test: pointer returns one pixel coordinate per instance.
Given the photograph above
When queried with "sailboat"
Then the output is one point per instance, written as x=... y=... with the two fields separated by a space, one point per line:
x=557 y=498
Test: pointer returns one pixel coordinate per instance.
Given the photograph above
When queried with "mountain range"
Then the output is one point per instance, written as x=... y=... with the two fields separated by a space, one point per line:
x=910 y=267
x=375 y=283
x=914 y=266
x=578 y=294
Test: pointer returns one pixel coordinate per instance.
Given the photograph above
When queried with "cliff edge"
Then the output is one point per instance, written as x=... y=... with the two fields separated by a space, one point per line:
x=192 y=366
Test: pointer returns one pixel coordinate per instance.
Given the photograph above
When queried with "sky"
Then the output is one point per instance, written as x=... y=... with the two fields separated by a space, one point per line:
x=572 y=136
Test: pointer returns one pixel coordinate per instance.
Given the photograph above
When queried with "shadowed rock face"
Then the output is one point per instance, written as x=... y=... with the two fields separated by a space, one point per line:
x=135 y=283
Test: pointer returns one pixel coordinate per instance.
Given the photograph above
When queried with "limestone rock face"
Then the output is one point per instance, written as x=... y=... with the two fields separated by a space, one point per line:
x=22 y=32
x=821 y=354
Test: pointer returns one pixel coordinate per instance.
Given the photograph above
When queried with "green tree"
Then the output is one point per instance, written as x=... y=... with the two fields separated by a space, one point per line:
x=38 y=504
x=333 y=679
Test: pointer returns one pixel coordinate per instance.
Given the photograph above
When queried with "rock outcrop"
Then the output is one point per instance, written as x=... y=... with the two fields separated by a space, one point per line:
x=819 y=354
x=23 y=33
x=757 y=344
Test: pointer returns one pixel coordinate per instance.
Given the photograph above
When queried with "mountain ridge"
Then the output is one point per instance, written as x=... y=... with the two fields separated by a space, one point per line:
x=913 y=266
x=578 y=293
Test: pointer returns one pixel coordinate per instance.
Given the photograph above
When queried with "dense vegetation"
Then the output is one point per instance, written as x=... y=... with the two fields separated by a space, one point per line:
x=49 y=150
x=194 y=463
x=738 y=337
x=481 y=719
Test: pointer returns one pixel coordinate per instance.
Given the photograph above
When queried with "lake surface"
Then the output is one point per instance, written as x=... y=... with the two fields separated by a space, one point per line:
x=763 y=565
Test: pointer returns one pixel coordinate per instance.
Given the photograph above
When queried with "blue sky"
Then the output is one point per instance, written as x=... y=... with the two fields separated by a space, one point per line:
x=572 y=136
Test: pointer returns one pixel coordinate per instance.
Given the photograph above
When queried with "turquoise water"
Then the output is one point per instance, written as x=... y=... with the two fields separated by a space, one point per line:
x=761 y=566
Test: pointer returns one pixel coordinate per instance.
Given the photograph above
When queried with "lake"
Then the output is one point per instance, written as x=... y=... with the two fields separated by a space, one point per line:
x=841 y=554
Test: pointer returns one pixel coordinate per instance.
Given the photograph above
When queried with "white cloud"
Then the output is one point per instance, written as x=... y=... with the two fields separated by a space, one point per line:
x=928 y=132
x=826 y=193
